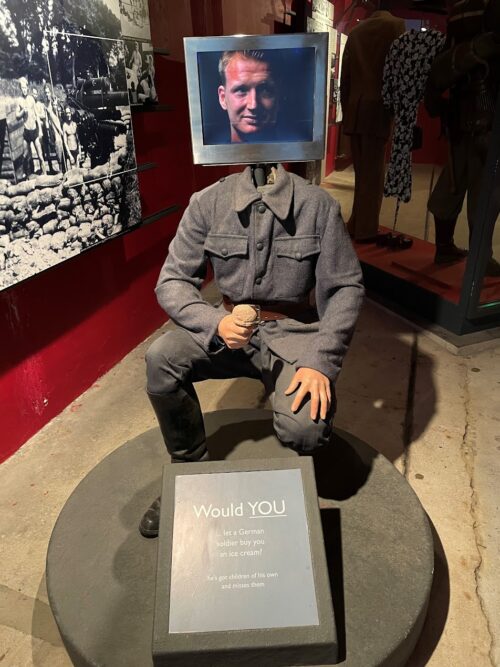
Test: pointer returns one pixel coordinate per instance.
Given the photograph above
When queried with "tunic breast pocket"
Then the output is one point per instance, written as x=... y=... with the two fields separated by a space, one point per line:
x=228 y=255
x=294 y=265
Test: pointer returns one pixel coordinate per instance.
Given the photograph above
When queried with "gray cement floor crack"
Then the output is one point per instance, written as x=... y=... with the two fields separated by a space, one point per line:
x=468 y=452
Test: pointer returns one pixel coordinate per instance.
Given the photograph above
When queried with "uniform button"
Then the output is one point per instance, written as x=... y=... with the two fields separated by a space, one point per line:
x=224 y=251
x=298 y=255
x=261 y=208
x=260 y=245
x=258 y=281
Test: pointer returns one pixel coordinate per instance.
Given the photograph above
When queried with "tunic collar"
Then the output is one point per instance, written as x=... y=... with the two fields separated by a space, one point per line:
x=278 y=199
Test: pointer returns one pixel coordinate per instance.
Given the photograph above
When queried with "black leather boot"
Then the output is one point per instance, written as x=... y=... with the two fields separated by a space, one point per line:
x=181 y=424
x=149 y=525
x=150 y=522
x=446 y=250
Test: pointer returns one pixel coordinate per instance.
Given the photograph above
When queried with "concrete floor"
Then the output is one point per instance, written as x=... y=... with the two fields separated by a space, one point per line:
x=433 y=413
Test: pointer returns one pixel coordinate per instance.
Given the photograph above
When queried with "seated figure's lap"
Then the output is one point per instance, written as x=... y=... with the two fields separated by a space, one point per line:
x=175 y=359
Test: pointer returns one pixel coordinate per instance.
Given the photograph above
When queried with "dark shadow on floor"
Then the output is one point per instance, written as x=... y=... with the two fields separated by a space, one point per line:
x=386 y=392
x=341 y=468
x=223 y=439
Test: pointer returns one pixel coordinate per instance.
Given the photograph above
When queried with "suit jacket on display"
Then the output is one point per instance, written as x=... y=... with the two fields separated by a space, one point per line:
x=361 y=75
x=275 y=245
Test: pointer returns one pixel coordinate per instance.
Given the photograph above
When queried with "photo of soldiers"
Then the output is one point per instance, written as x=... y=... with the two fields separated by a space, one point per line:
x=71 y=141
x=96 y=121
x=146 y=91
x=135 y=19
x=67 y=156
x=52 y=139
x=135 y=60
x=140 y=71
x=27 y=112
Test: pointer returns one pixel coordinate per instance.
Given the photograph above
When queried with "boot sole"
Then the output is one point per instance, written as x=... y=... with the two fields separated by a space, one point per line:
x=148 y=533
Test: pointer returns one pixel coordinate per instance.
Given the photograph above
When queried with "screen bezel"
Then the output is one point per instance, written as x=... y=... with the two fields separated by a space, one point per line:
x=293 y=151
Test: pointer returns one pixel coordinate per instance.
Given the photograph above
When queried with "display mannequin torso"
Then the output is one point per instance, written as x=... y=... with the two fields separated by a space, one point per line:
x=362 y=71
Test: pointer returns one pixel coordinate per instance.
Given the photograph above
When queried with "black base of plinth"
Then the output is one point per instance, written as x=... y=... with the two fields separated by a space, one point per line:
x=100 y=571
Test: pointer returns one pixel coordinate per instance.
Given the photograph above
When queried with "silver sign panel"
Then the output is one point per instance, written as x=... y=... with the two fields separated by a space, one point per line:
x=241 y=555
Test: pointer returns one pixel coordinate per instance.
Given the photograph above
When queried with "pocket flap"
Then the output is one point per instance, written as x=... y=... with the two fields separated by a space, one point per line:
x=223 y=245
x=297 y=247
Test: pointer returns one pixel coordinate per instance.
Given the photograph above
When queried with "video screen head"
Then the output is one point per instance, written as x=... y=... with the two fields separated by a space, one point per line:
x=257 y=98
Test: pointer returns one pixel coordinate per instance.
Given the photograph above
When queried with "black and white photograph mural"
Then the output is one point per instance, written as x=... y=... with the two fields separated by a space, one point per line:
x=96 y=119
x=135 y=19
x=140 y=71
x=67 y=158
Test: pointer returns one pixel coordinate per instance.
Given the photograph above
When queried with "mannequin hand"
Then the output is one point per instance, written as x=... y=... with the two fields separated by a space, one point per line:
x=317 y=385
x=234 y=335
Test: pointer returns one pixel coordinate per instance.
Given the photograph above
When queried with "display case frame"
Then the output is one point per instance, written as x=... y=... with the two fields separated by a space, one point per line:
x=467 y=315
x=486 y=218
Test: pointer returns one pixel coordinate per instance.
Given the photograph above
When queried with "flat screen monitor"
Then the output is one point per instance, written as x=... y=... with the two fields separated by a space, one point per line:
x=257 y=99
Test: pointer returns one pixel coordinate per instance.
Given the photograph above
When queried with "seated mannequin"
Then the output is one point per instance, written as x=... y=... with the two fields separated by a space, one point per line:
x=271 y=247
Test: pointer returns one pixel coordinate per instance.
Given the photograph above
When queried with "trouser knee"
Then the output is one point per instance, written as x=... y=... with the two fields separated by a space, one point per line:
x=302 y=435
x=166 y=364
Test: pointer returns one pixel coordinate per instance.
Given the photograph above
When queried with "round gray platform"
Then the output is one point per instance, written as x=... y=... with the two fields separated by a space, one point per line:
x=101 y=572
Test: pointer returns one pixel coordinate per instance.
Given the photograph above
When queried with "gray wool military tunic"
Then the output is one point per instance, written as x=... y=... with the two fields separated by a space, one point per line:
x=280 y=245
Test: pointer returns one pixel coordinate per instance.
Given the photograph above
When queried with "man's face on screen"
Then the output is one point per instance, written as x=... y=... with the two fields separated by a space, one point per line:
x=249 y=97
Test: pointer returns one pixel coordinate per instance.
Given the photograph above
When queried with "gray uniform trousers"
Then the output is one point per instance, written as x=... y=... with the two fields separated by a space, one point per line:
x=175 y=360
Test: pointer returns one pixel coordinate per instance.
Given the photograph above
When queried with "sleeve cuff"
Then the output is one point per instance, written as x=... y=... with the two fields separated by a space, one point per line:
x=330 y=370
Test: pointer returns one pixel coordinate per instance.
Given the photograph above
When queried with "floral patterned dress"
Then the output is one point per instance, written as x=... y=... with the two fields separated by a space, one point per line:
x=406 y=71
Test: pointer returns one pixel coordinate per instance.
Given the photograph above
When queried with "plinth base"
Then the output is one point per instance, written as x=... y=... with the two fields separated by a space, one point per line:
x=100 y=571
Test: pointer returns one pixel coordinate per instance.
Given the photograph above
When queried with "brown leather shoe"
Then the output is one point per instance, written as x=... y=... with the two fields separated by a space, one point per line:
x=150 y=522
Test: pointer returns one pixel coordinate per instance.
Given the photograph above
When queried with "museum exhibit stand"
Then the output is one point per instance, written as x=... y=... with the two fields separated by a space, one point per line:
x=351 y=578
x=462 y=297
x=263 y=557
x=399 y=266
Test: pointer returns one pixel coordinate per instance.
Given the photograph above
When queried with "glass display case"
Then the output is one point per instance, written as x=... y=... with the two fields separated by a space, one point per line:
x=480 y=297
x=463 y=296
